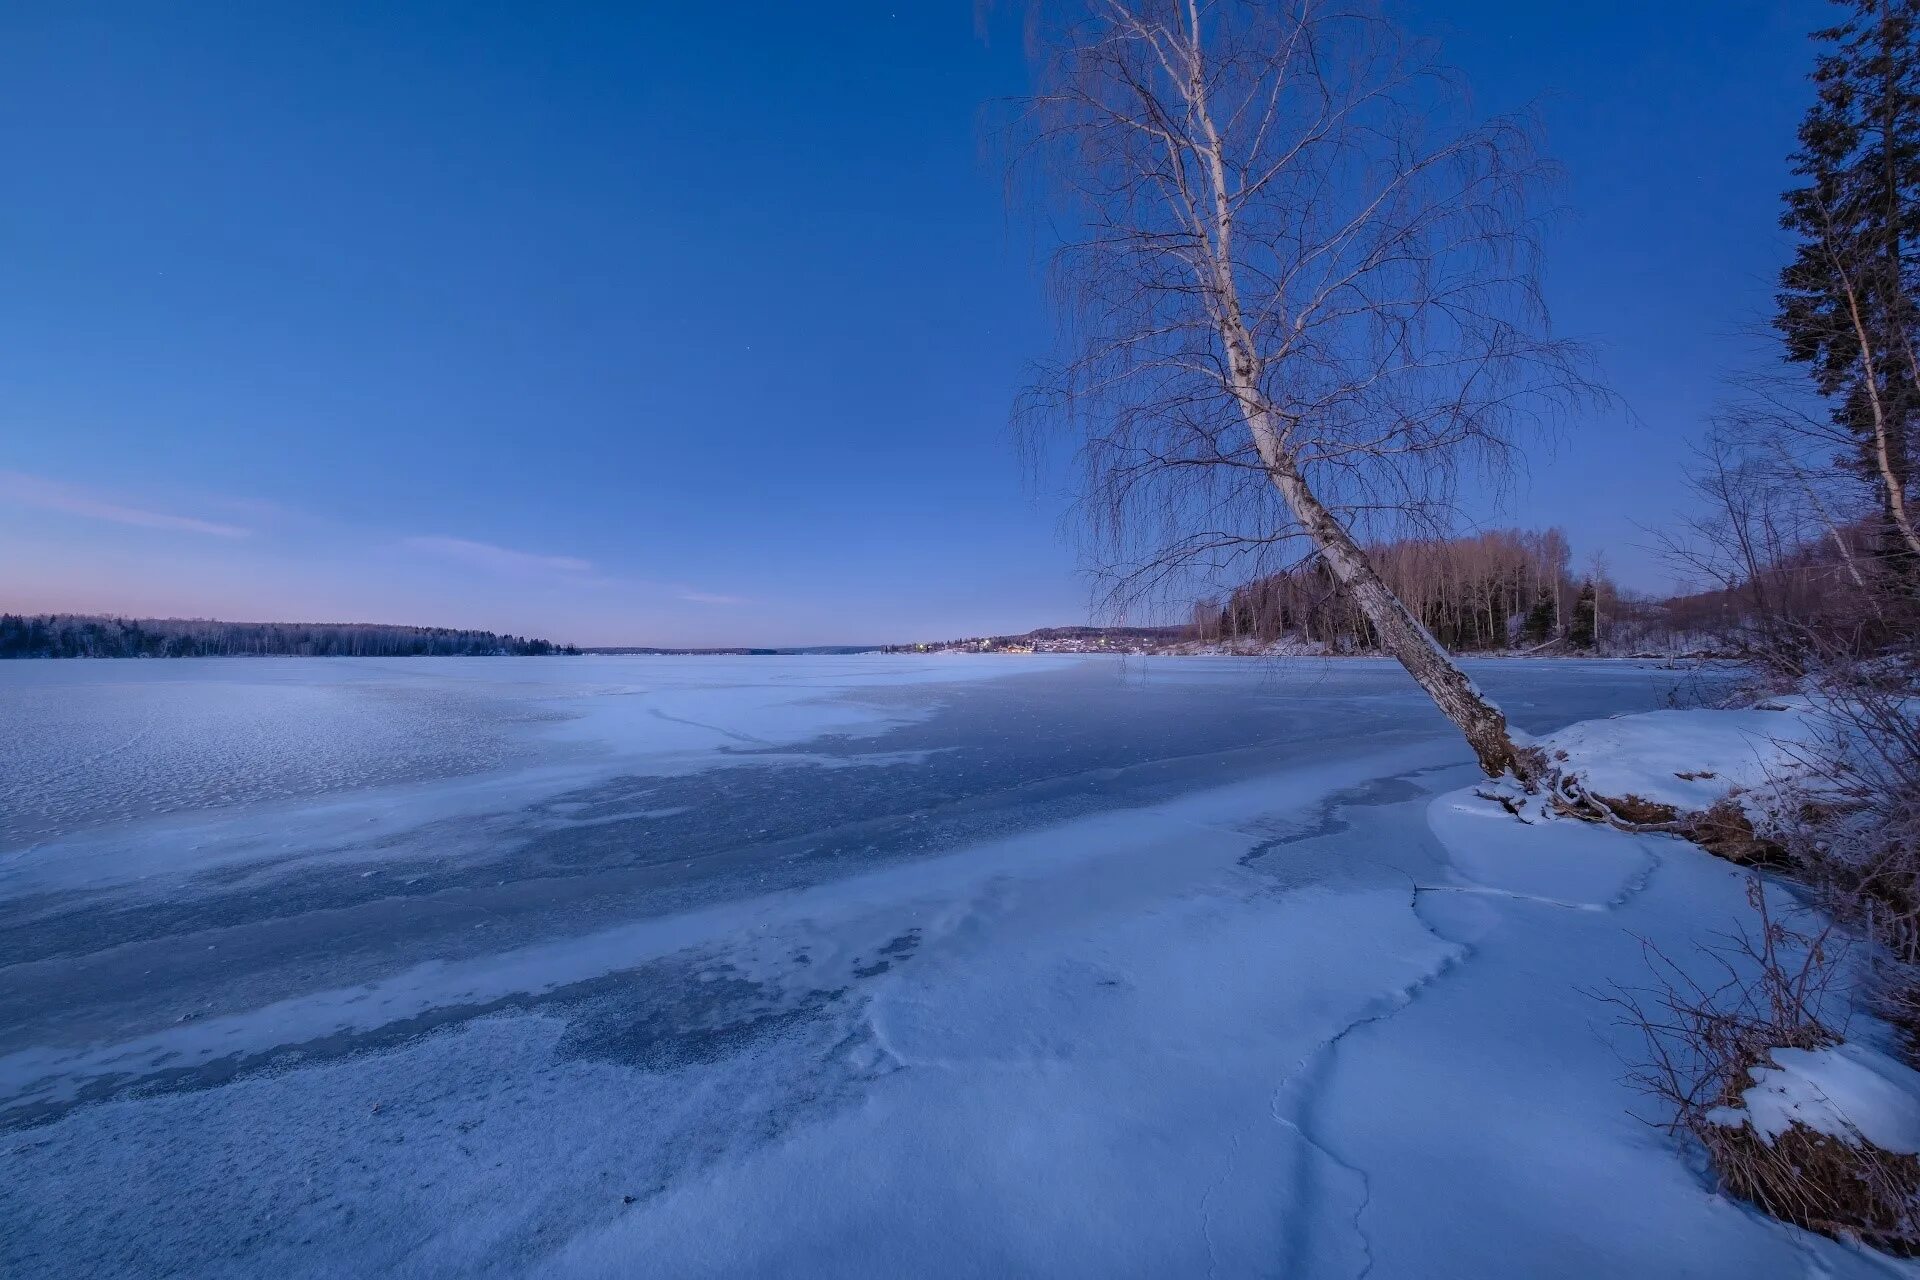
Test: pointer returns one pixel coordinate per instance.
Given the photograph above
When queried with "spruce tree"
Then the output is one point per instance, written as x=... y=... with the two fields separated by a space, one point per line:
x=1538 y=628
x=1856 y=218
x=1582 y=634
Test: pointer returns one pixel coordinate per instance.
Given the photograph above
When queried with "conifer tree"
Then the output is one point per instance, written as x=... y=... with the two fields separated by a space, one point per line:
x=1583 y=633
x=1846 y=305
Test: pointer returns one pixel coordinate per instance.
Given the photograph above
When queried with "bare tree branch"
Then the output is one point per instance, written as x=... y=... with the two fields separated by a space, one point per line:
x=1305 y=301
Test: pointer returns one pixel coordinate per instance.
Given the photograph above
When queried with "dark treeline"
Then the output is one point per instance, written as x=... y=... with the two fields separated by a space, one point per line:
x=1784 y=600
x=1493 y=590
x=1502 y=590
x=63 y=635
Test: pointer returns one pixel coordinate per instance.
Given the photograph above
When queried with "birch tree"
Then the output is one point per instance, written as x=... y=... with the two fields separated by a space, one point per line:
x=1301 y=298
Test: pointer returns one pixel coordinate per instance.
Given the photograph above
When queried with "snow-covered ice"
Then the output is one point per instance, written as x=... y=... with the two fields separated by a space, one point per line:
x=870 y=966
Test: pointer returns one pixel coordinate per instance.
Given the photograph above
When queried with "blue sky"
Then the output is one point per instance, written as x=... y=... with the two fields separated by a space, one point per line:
x=695 y=324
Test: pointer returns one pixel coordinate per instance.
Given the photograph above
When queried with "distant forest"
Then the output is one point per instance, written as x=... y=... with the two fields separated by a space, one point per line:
x=1488 y=591
x=1499 y=590
x=66 y=635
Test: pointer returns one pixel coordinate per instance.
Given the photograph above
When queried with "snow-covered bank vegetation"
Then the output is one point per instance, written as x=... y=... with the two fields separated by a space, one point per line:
x=1777 y=1047
x=1807 y=489
x=1790 y=1062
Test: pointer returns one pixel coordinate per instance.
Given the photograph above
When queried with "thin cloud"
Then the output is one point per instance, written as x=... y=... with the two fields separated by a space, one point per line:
x=575 y=571
x=484 y=555
x=50 y=495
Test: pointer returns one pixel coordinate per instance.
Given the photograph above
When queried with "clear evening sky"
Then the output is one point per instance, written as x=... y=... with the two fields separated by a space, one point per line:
x=697 y=323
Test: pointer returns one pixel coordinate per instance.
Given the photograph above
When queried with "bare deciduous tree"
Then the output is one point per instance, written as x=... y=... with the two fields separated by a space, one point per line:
x=1885 y=444
x=1305 y=299
x=1486 y=591
x=1792 y=545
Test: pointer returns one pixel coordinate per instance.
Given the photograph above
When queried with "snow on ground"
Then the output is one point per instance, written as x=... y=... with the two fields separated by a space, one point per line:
x=1176 y=967
x=1690 y=758
x=1846 y=1091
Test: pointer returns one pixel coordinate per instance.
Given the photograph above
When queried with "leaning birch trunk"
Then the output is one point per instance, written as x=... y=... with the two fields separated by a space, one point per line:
x=1399 y=632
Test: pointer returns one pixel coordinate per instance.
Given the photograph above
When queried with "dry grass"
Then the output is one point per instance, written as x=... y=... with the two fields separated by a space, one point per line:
x=1726 y=832
x=1702 y=1043
x=1638 y=811
x=1841 y=1189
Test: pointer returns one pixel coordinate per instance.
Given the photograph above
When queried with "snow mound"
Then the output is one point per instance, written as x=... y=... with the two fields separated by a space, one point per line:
x=1688 y=760
x=1846 y=1091
x=1576 y=866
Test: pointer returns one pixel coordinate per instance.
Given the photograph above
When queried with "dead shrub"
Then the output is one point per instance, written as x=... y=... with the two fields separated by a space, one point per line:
x=1702 y=1040
x=1702 y=1043
x=1854 y=834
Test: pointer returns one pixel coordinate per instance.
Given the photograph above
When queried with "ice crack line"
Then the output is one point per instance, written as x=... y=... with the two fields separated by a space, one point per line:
x=711 y=728
x=1320 y=1059
x=1488 y=891
x=1206 y=1207
x=1638 y=884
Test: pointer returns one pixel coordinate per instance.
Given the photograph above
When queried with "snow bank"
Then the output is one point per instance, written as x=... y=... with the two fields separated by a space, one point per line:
x=1489 y=1123
x=1688 y=759
x=1846 y=1091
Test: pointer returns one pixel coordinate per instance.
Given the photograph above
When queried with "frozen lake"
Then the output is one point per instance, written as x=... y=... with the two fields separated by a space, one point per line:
x=867 y=965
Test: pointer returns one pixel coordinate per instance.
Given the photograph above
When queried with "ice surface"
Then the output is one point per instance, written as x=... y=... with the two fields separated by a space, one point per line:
x=878 y=966
x=120 y=740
